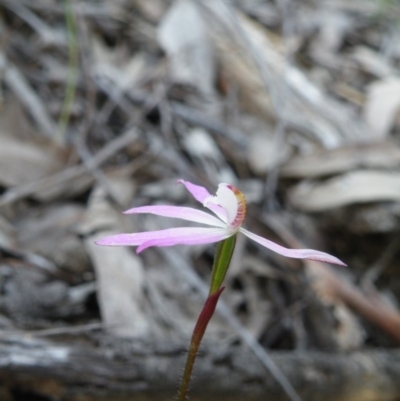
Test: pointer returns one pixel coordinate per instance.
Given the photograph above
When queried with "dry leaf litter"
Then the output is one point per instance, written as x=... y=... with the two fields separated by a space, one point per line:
x=295 y=103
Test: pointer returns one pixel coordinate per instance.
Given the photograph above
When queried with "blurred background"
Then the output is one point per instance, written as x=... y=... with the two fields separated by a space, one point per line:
x=105 y=104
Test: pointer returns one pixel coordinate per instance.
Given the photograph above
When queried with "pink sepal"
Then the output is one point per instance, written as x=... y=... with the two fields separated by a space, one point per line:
x=180 y=212
x=293 y=253
x=168 y=237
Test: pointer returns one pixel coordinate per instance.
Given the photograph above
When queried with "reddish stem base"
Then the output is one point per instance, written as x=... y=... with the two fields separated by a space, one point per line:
x=198 y=333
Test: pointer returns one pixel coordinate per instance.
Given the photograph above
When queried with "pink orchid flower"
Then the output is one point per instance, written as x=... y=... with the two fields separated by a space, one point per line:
x=229 y=207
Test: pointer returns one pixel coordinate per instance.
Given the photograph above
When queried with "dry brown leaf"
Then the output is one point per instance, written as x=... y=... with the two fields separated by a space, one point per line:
x=307 y=107
x=204 y=150
x=354 y=187
x=114 y=65
x=337 y=290
x=119 y=272
x=22 y=161
x=24 y=155
x=333 y=28
x=51 y=232
x=199 y=143
x=376 y=155
x=263 y=155
x=183 y=35
x=348 y=332
x=382 y=106
x=120 y=284
x=7 y=234
x=383 y=218
x=372 y=62
x=151 y=10
x=30 y=99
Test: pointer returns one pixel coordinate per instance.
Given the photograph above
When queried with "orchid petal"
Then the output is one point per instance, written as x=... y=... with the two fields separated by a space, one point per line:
x=198 y=192
x=227 y=200
x=182 y=233
x=293 y=253
x=201 y=194
x=188 y=236
x=184 y=213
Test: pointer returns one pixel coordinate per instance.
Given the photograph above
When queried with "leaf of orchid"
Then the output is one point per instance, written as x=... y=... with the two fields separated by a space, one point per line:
x=293 y=253
x=135 y=239
x=201 y=194
x=187 y=236
x=180 y=212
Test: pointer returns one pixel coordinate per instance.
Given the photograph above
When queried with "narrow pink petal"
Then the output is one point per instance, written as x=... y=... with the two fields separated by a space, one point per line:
x=200 y=194
x=187 y=236
x=133 y=239
x=184 y=235
x=293 y=253
x=185 y=213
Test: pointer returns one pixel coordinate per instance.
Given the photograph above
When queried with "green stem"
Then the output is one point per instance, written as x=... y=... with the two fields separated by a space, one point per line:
x=223 y=256
x=198 y=333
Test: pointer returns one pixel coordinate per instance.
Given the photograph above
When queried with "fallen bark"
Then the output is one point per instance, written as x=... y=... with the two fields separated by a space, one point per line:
x=125 y=370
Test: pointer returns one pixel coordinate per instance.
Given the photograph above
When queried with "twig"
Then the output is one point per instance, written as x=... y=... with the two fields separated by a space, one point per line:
x=56 y=331
x=47 y=34
x=373 y=309
x=73 y=60
x=28 y=97
x=98 y=10
x=108 y=151
x=280 y=128
x=192 y=116
x=376 y=269
x=82 y=48
x=338 y=288
x=332 y=118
